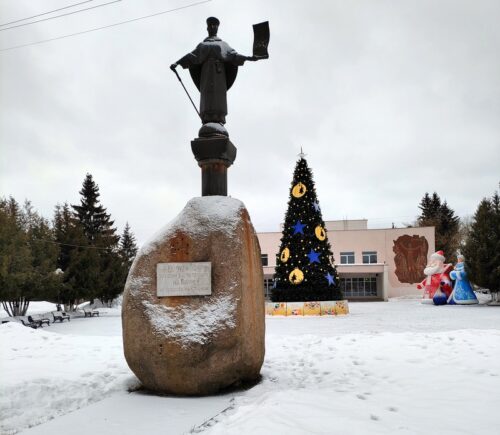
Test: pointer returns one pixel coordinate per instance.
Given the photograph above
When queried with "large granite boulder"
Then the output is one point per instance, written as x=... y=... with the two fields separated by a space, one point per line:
x=195 y=345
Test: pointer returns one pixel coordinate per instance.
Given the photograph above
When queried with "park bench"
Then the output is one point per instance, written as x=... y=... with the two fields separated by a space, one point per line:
x=26 y=322
x=40 y=321
x=88 y=312
x=60 y=315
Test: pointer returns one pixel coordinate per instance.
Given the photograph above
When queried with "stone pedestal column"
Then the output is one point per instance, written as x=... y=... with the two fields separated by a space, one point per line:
x=214 y=155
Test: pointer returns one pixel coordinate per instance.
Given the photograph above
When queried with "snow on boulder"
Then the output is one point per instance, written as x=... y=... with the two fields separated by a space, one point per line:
x=195 y=345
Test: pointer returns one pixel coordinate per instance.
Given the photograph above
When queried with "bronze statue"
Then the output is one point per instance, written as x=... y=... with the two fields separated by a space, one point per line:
x=213 y=66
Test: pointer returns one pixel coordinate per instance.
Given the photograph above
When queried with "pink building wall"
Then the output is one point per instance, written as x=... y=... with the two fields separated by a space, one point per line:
x=359 y=240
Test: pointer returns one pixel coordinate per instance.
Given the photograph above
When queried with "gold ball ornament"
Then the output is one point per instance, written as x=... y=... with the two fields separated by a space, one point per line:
x=296 y=276
x=299 y=190
x=320 y=233
x=285 y=255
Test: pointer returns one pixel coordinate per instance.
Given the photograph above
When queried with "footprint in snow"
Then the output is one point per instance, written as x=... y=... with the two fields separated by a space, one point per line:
x=374 y=417
x=392 y=409
x=360 y=397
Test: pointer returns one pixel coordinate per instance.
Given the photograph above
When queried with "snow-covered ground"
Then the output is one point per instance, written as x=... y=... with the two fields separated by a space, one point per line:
x=396 y=367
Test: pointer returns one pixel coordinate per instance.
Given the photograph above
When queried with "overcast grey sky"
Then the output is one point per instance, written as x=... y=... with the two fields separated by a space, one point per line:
x=389 y=99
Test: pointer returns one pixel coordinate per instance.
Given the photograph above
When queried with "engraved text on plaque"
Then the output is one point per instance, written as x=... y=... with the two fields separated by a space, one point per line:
x=184 y=279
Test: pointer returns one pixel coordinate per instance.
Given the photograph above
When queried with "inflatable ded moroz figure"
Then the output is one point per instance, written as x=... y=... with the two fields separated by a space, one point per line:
x=437 y=285
x=462 y=293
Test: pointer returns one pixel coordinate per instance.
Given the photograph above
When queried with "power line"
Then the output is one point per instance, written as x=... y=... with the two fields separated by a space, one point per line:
x=105 y=27
x=59 y=16
x=46 y=13
x=75 y=246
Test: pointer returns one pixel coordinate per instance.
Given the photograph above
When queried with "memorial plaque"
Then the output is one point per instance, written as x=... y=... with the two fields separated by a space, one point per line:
x=184 y=279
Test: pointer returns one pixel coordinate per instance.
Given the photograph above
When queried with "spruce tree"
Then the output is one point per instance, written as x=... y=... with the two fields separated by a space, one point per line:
x=99 y=278
x=77 y=259
x=305 y=268
x=116 y=267
x=447 y=225
x=97 y=224
x=44 y=251
x=482 y=248
x=128 y=246
x=112 y=280
x=430 y=207
x=68 y=234
x=83 y=277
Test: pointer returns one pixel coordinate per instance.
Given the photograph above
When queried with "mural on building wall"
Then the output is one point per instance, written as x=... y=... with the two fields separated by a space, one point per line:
x=411 y=258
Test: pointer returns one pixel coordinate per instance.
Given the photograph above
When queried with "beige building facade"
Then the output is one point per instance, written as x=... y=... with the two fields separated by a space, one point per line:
x=373 y=264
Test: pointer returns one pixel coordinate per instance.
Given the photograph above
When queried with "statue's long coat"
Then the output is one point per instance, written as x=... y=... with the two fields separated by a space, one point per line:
x=213 y=65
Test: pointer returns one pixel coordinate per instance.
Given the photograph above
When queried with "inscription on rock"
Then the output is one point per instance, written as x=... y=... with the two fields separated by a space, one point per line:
x=184 y=279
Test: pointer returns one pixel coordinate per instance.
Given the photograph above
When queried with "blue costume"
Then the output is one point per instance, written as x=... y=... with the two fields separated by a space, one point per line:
x=462 y=292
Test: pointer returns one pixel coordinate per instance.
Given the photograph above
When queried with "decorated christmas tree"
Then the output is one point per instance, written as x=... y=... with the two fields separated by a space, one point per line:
x=305 y=268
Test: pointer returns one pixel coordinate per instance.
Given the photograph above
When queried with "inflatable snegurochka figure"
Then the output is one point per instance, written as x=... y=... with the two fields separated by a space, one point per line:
x=437 y=285
x=462 y=293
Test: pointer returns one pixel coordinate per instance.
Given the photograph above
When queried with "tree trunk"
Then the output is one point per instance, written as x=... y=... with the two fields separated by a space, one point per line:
x=6 y=307
x=18 y=307
x=71 y=306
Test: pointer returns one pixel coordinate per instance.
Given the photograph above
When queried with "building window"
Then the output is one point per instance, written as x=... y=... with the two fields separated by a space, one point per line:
x=359 y=287
x=347 y=258
x=268 y=286
x=263 y=257
x=369 y=257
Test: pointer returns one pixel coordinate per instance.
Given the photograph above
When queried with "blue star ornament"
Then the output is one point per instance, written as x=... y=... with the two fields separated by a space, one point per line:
x=330 y=278
x=298 y=228
x=313 y=257
x=316 y=206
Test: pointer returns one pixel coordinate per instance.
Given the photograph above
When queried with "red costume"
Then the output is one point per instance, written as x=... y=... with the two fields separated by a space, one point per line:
x=438 y=280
